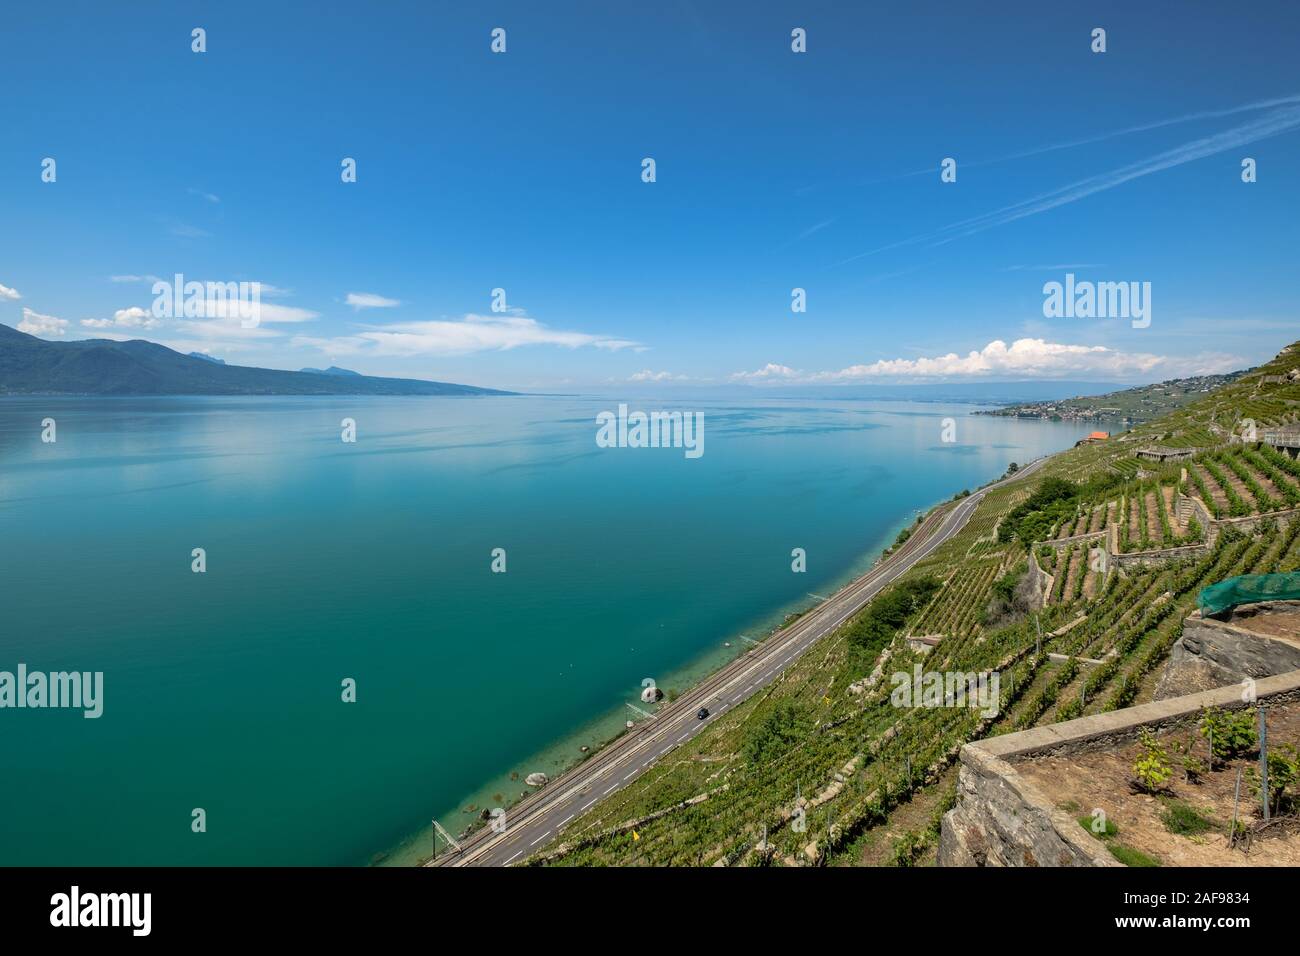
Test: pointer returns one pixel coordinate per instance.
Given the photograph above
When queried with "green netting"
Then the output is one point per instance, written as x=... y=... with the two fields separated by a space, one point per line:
x=1248 y=588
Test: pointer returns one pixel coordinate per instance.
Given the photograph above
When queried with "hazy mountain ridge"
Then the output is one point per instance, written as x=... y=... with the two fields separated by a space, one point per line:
x=32 y=366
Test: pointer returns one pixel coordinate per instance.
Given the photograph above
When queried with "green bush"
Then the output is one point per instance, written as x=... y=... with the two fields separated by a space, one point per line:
x=1152 y=770
x=1232 y=733
x=770 y=737
x=1181 y=817
x=1131 y=857
x=876 y=626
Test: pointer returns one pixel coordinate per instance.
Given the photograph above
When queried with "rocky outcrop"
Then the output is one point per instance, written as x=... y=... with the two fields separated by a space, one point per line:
x=1213 y=653
x=1002 y=820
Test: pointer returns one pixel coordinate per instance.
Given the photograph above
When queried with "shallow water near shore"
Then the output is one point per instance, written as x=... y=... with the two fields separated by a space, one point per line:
x=372 y=561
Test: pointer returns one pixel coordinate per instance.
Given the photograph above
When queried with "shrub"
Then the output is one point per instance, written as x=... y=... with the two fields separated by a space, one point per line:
x=772 y=736
x=1182 y=818
x=1109 y=829
x=1283 y=776
x=1231 y=733
x=1131 y=857
x=877 y=625
x=1152 y=770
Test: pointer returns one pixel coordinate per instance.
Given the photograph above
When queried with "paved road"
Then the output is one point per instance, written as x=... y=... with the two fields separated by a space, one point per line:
x=543 y=815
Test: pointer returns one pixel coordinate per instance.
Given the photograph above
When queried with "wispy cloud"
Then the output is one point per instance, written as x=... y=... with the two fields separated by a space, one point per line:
x=1056 y=268
x=186 y=231
x=210 y=197
x=368 y=300
x=1274 y=123
x=473 y=333
x=8 y=293
x=1199 y=116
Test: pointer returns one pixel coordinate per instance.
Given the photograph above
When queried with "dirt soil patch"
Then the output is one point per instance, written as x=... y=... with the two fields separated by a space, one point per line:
x=1081 y=783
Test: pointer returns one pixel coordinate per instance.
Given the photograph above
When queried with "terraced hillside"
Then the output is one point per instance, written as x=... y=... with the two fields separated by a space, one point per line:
x=1070 y=588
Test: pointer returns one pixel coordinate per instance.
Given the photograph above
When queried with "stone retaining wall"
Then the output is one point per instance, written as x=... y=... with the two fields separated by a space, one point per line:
x=1213 y=653
x=1001 y=819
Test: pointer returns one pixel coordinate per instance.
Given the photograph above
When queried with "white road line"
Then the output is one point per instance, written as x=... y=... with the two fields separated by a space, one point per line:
x=540 y=838
x=631 y=773
x=608 y=791
x=513 y=858
x=590 y=803
x=567 y=819
x=683 y=736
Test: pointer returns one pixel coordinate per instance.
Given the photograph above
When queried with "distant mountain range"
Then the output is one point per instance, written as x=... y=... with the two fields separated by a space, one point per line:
x=32 y=366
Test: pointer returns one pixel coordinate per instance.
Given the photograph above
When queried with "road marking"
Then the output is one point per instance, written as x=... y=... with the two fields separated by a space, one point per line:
x=588 y=805
x=567 y=819
x=513 y=858
x=540 y=838
x=683 y=736
x=609 y=790
x=631 y=773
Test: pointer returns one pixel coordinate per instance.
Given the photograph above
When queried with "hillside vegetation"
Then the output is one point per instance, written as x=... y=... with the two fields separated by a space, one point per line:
x=821 y=768
x=1127 y=406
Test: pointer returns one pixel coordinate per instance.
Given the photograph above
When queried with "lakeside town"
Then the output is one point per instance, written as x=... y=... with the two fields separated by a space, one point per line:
x=1128 y=406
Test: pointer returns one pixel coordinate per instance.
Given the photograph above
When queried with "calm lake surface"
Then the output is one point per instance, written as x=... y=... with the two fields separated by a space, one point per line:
x=371 y=561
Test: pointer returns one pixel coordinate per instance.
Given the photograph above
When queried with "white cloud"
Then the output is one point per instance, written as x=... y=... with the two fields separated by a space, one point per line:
x=8 y=293
x=650 y=376
x=132 y=318
x=1024 y=359
x=769 y=372
x=225 y=329
x=33 y=323
x=135 y=317
x=266 y=311
x=473 y=333
x=368 y=300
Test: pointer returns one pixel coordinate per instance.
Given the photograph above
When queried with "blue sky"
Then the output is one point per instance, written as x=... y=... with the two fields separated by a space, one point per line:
x=775 y=170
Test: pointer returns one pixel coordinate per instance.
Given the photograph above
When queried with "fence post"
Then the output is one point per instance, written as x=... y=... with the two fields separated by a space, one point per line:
x=1263 y=761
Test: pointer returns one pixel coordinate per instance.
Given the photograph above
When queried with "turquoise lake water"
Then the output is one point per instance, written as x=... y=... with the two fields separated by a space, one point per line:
x=371 y=561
